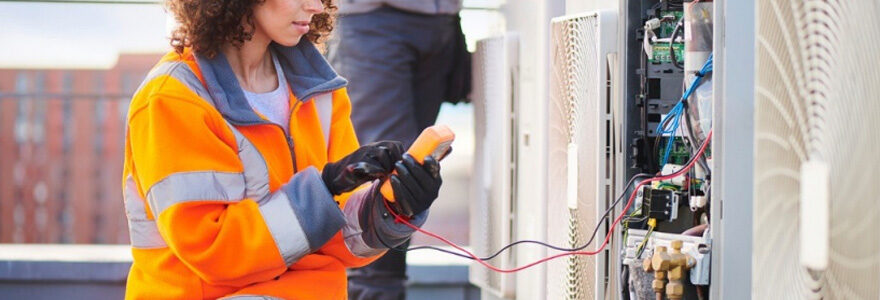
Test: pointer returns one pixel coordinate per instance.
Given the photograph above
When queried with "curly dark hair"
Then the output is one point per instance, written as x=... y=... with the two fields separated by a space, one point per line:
x=206 y=25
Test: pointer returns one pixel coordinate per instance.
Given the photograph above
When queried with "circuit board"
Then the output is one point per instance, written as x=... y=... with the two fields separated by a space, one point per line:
x=680 y=153
x=667 y=27
x=661 y=50
x=661 y=53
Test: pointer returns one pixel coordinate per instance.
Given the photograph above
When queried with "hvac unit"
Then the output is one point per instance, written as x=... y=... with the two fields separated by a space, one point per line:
x=494 y=173
x=817 y=116
x=581 y=149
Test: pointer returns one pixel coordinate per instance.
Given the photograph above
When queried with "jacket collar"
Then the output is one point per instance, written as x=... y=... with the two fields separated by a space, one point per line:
x=307 y=72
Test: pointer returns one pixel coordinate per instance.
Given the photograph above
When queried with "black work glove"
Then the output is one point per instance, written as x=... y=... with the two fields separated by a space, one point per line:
x=369 y=162
x=415 y=185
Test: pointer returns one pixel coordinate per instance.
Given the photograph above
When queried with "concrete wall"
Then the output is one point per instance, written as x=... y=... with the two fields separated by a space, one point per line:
x=99 y=272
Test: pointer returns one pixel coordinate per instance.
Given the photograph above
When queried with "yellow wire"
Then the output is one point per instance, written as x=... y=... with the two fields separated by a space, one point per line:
x=652 y=222
x=626 y=225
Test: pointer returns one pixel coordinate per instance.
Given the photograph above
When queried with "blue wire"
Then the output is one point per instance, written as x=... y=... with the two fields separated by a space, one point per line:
x=675 y=124
x=678 y=110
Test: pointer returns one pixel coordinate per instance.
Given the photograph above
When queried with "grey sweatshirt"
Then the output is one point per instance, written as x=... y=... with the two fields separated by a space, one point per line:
x=432 y=7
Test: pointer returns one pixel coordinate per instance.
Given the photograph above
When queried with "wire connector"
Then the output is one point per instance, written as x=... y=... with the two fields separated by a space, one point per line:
x=652 y=24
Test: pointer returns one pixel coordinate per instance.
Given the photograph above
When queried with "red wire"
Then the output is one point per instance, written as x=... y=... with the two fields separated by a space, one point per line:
x=629 y=203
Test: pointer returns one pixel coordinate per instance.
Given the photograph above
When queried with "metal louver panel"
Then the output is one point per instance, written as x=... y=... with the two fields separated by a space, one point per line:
x=816 y=103
x=494 y=174
x=580 y=148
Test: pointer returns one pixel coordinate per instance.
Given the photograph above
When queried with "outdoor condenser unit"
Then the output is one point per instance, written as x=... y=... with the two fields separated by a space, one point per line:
x=817 y=116
x=494 y=175
x=581 y=149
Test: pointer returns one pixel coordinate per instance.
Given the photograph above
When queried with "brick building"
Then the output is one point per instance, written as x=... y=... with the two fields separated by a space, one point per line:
x=61 y=143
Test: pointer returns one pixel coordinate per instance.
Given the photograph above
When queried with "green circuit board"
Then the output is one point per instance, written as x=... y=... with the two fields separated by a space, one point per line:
x=679 y=154
x=661 y=53
x=667 y=27
x=661 y=50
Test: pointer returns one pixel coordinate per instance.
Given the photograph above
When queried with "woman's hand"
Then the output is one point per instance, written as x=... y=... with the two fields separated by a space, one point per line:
x=367 y=163
x=415 y=185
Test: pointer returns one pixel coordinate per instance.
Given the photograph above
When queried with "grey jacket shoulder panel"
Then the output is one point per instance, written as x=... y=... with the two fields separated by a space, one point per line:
x=307 y=72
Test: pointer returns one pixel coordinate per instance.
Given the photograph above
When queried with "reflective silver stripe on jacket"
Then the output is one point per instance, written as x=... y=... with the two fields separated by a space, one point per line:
x=324 y=104
x=289 y=236
x=144 y=233
x=256 y=172
x=195 y=186
x=181 y=72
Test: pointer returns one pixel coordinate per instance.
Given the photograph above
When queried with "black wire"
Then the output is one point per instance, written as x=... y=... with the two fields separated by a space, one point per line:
x=671 y=41
x=592 y=237
x=656 y=151
x=508 y=246
x=624 y=282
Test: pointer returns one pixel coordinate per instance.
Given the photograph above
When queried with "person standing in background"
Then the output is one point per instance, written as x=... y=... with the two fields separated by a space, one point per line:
x=404 y=58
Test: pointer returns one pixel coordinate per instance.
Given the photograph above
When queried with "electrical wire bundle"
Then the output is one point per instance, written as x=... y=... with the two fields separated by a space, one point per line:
x=567 y=251
x=671 y=122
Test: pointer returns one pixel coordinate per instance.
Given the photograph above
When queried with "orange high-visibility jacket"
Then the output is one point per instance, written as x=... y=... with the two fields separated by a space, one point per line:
x=222 y=203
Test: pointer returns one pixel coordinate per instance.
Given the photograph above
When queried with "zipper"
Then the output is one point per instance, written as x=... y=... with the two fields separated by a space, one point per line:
x=287 y=138
x=292 y=151
x=290 y=146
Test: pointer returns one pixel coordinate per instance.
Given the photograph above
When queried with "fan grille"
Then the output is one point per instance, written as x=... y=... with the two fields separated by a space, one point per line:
x=816 y=91
x=481 y=237
x=494 y=147
x=574 y=114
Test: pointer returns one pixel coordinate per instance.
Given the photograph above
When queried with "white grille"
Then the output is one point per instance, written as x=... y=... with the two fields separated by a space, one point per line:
x=494 y=176
x=816 y=90
x=579 y=130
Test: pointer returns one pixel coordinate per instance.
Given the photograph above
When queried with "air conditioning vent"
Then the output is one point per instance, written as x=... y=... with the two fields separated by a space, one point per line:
x=580 y=151
x=816 y=114
x=494 y=174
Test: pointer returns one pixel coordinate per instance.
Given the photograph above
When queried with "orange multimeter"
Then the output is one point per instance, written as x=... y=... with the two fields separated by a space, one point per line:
x=435 y=141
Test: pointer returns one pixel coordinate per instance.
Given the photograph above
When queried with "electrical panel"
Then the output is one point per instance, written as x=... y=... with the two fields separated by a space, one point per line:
x=666 y=106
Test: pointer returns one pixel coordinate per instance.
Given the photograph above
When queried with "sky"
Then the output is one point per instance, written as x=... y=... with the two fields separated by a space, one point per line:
x=55 y=35
x=71 y=36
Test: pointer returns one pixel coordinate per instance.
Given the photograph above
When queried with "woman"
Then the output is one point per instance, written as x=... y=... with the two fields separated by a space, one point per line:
x=225 y=140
